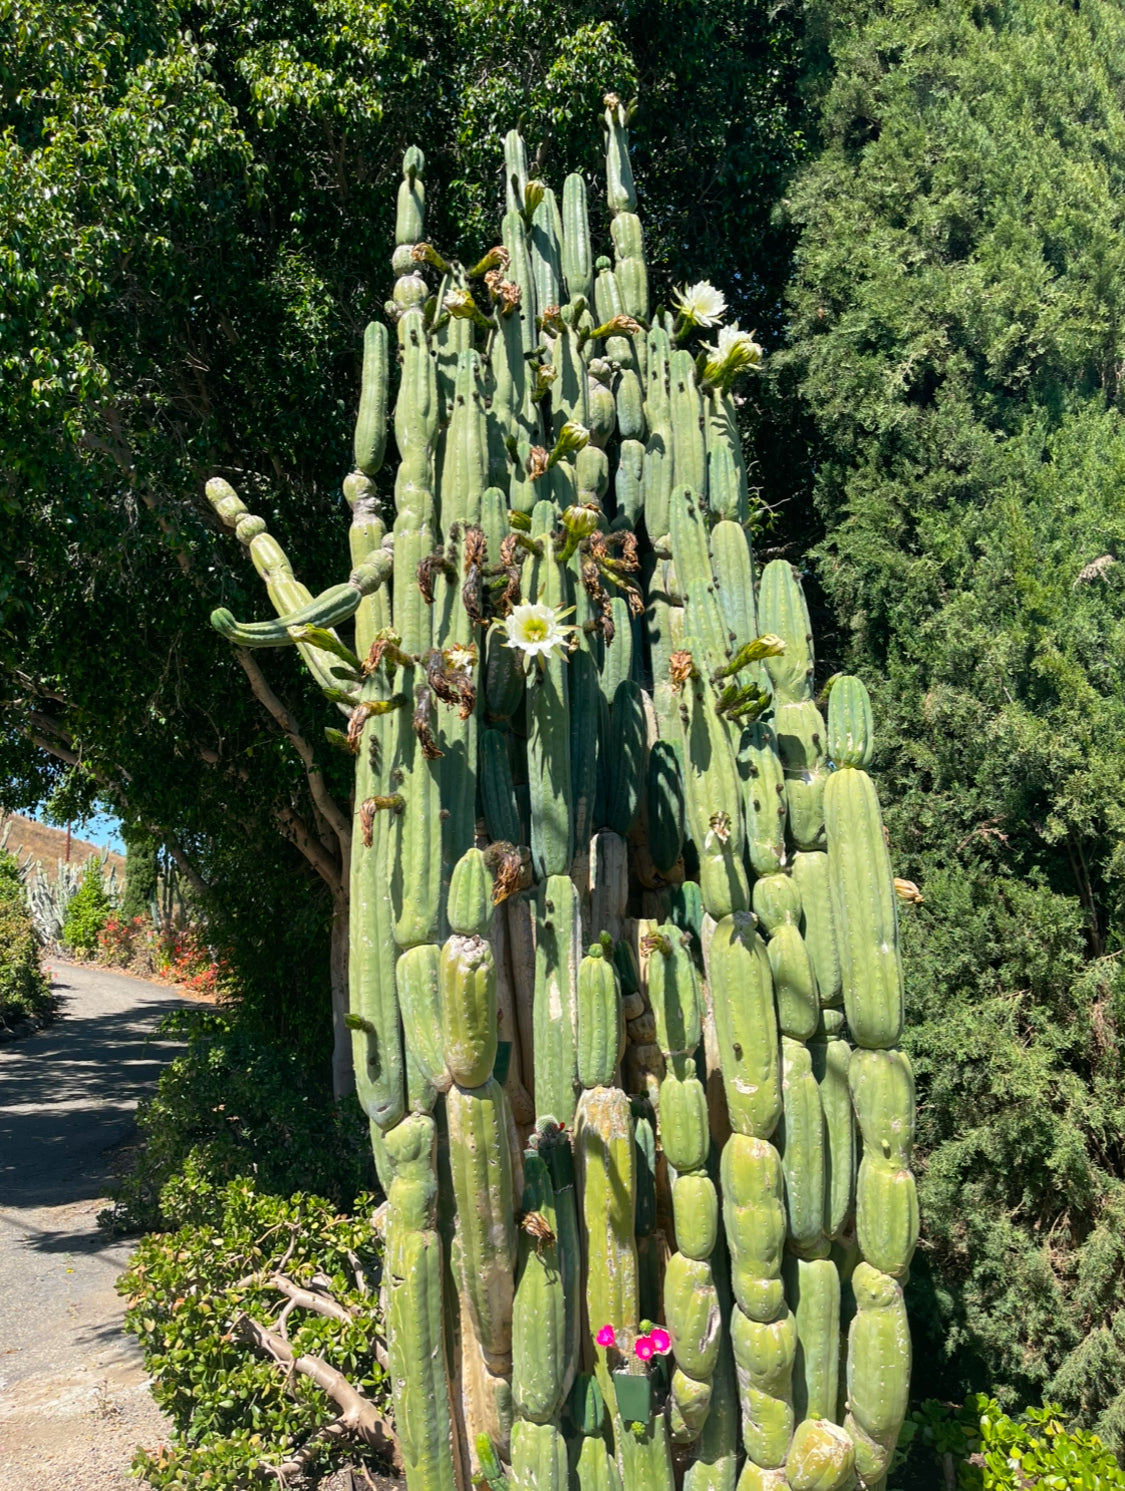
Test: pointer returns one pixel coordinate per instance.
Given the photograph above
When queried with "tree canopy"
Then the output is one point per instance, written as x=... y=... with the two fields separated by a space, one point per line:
x=197 y=226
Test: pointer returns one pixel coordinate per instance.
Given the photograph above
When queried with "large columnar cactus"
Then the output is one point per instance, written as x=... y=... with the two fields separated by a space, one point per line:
x=626 y=994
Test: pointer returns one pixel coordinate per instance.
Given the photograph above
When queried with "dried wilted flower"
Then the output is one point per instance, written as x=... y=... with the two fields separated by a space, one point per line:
x=497 y=258
x=423 y=711
x=476 y=547
x=505 y=861
x=453 y=685
x=617 y=326
x=433 y=564
x=385 y=642
x=1095 y=570
x=356 y=721
x=681 y=667
x=509 y=295
x=536 y=463
x=720 y=825
x=367 y=811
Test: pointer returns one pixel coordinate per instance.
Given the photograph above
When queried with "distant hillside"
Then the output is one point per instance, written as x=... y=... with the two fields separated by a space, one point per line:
x=46 y=846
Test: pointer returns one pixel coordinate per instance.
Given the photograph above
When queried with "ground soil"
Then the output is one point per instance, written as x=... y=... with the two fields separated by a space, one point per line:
x=74 y=1398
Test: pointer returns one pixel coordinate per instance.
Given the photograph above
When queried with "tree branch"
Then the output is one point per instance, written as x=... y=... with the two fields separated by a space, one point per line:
x=55 y=748
x=116 y=792
x=309 y=1299
x=183 y=864
x=297 y=1464
x=325 y=865
x=358 y=1416
x=323 y=800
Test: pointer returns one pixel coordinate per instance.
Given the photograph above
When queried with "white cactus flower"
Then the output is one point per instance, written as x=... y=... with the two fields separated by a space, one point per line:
x=536 y=630
x=701 y=304
x=731 y=338
x=736 y=352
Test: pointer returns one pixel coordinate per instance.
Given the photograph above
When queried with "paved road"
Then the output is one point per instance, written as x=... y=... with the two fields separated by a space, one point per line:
x=73 y=1401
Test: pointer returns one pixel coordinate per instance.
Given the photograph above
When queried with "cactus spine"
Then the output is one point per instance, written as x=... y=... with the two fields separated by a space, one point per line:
x=624 y=967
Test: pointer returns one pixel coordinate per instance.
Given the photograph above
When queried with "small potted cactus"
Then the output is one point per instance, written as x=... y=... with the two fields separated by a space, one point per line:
x=641 y=1356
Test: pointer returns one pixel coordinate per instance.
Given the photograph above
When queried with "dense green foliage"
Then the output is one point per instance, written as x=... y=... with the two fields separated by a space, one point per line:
x=956 y=338
x=140 y=874
x=235 y=1410
x=87 y=912
x=199 y=202
x=988 y=1450
x=11 y=883
x=234 y=1105
x=24 y=988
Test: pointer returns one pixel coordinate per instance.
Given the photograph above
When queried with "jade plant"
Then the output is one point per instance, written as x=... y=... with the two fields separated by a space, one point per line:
x=626 y=994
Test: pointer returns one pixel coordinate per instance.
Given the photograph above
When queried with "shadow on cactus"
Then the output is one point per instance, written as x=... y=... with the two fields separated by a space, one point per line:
x=567 y=689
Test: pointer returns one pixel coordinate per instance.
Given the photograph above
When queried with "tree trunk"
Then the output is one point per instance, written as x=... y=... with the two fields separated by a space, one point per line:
x=343 y=1077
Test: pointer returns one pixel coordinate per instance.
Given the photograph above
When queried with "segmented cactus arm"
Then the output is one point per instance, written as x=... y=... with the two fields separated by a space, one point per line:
x=329 y=608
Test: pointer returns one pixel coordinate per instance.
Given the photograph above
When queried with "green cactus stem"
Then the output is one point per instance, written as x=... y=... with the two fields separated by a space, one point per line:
x=623 y=957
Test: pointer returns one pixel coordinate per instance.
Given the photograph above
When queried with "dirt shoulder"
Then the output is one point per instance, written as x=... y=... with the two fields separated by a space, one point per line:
x=73 y=1393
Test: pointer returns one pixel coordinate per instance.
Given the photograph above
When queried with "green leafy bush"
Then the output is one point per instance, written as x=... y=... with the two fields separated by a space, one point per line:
x=235 y=1410
x=87 y=913
x=11 y=883
x=24 y=988
x=234 y=1105
x=988 y=1450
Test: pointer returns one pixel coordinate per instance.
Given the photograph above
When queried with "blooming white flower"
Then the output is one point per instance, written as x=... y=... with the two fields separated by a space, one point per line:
x=731 y=338
x=536 y=630
x=736 y=352
x=701 y=304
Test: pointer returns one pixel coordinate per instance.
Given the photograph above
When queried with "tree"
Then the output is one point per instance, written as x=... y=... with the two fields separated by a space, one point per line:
x=140 y=873
x=956 y=337
x=194 y=235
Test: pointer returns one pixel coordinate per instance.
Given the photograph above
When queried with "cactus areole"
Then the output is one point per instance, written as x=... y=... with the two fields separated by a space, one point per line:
x=626 y=994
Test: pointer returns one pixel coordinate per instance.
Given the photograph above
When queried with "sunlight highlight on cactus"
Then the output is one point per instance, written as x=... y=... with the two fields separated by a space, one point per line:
x=625 y=984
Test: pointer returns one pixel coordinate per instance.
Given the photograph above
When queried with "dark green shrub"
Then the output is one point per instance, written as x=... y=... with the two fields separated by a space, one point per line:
x=236 y=1411
x=954 y=317
x=232 y=1105
x=25 y=990
x=87 y=913
x=140 y=873
x=11 y=885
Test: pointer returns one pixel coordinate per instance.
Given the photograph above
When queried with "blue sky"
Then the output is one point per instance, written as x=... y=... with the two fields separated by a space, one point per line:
x=100 y=830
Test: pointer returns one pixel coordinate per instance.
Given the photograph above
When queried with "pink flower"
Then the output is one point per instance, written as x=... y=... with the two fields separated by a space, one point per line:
x=644 y=1348
x=606 y=1336
x=661 y=1341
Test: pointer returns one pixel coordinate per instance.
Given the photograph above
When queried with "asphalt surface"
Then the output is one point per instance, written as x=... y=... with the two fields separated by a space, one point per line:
x=73 y=1394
